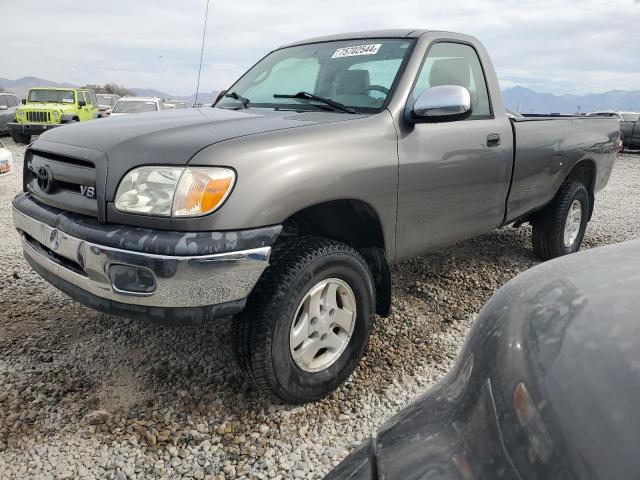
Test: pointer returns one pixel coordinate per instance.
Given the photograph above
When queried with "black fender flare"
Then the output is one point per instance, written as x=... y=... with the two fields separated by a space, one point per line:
x=381 y=270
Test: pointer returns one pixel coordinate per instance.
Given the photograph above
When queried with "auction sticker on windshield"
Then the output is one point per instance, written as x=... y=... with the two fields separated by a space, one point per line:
x=354 y=51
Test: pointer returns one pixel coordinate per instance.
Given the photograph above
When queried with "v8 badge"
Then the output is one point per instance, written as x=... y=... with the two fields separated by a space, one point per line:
x=87 y=191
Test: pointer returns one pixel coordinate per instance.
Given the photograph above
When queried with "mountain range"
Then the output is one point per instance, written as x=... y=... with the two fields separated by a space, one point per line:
x=525 y=100
x=519 y=99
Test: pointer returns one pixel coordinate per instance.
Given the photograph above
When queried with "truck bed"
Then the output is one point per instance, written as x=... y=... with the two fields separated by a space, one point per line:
x=556 y=143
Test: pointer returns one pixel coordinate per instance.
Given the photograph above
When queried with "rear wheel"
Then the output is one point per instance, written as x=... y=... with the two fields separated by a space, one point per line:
x=559 y=229
x=21 y=138
x=307 y=323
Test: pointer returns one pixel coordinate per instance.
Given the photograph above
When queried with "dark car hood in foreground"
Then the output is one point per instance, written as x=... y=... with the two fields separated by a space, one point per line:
x=567 y=333
x=174 y=136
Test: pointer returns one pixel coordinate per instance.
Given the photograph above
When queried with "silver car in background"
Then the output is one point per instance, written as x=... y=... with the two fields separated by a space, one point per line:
x=106 y=102
x=8 y=104
x=177 y=104
x=128 y=105
x=629 y=126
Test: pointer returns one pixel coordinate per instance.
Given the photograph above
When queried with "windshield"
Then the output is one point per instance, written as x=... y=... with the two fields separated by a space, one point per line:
x=134 y=106
x=630 y=117
x=108 y=100
x=356 y=73
x=53 y=96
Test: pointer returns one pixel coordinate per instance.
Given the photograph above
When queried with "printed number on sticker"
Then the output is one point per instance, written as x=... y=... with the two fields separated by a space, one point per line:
x=357 y=50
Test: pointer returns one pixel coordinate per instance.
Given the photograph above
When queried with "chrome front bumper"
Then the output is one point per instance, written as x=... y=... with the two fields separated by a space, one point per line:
x=179 y=281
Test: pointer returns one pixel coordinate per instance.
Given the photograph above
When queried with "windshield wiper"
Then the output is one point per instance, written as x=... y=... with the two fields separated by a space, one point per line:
x=245 y=101
x=310 y=96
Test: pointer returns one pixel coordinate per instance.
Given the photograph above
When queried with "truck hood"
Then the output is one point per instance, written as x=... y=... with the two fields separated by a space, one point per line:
x=42 y=106
x=175 y=136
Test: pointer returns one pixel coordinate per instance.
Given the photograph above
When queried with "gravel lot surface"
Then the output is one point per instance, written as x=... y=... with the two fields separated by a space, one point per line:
x=88 y=395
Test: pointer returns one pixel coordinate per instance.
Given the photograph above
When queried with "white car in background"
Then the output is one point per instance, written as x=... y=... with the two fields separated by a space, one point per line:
x=177 y=104
x=6 y=160
x=106 y=101
x=128 y=105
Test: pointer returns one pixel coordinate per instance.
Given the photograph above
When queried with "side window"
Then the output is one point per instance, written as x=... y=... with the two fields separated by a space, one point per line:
x=94 y=100
x=455 y=64
x=4 y=101
x=81 y=97
x=16 y=100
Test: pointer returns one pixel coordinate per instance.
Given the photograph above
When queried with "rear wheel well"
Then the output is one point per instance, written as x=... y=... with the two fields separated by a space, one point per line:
x=355 y=223
x=585 y=173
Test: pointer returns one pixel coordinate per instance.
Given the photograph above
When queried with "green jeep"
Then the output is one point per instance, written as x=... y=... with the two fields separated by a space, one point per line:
x=46 y=108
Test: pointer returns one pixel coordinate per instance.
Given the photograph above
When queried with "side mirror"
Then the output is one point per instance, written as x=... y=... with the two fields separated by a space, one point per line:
x=24 y=101
x=82 y=103
x=220 y=95
x=4 y=107
x=441 y=104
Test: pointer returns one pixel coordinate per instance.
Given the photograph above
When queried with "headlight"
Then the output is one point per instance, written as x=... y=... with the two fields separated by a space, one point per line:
x=174 y=191
x=56 y=114
x=20 y=113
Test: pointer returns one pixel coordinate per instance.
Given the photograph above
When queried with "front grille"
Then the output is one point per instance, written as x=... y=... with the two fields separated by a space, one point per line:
x=62 y=182
x=39 y=117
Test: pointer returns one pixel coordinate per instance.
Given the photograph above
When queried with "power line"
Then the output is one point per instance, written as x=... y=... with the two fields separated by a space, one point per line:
x=204 y=35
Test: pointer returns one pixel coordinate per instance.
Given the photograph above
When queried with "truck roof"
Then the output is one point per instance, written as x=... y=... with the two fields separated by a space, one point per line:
x=388 y=33
x=62 y=88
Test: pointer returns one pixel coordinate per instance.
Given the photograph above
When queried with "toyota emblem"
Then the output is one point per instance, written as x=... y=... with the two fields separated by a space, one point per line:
x=45 y=179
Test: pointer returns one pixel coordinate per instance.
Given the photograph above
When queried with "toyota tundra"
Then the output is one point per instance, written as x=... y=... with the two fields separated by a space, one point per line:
x=287 y=200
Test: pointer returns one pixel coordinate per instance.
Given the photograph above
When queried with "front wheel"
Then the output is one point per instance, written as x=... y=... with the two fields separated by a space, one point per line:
x=307 y=323
x=559 y=228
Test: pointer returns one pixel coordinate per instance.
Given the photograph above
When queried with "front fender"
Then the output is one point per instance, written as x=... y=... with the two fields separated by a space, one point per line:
x=283 y=172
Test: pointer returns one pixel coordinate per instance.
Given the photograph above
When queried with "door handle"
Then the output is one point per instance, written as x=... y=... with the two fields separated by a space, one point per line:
x=493 y=140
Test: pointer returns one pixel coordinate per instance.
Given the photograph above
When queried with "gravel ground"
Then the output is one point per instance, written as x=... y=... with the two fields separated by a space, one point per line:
x=88 y=395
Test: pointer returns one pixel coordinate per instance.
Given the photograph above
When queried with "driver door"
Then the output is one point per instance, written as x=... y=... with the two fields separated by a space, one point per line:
x=454 y=175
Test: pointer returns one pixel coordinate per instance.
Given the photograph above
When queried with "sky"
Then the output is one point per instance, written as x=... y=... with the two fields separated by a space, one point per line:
x=550 y=46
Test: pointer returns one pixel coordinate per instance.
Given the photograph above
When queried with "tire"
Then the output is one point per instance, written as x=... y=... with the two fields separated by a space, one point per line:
x=21 y=138
x=265 y=327
x=548 y=238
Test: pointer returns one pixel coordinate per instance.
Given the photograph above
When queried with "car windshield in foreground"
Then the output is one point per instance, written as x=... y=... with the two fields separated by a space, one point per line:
x=51 y=96
x=134 y=106
x=630 y=117
x=355 y=74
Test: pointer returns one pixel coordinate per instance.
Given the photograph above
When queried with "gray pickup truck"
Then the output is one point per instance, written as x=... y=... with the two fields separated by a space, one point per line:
x=288 y=199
